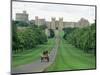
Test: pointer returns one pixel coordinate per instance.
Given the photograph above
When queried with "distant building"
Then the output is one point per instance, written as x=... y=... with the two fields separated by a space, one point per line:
x=22 y=16
x=48 y=24
x=60 y=23
x=53 y=24
x=69 y=24
x=82 y=23
x=36 y=20
x=39 y=21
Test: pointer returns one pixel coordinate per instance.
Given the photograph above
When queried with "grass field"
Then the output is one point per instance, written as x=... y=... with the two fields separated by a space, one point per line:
x=31 y=55
x=68 y=57
x=71 y=58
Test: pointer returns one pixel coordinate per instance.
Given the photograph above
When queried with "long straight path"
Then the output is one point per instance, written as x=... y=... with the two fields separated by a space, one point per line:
x=71 y=58
x=37 y=66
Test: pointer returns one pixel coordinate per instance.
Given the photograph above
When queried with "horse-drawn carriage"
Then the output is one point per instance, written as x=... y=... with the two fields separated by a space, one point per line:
x=45 y=56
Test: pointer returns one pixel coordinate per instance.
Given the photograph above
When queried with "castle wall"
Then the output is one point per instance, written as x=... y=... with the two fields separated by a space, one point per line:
x=82 y=23
x=36 y=20
x=60 y=23
x=22 y=16
x=48 y=24
x=53 y=23
x=39 y=22
x=68 y=24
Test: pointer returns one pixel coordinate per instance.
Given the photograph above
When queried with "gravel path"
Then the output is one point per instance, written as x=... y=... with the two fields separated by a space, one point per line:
x=36 y=66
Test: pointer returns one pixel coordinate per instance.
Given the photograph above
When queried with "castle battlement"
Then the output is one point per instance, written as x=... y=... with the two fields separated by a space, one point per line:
x=22 y=16
x=53 y=24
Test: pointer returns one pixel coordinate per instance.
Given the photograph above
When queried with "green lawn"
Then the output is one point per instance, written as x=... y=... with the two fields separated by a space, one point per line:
x=31 y=55
x=70 y=58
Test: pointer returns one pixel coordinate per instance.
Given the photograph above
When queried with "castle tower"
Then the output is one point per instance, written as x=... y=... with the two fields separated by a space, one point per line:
x=36 y=20
x=22 y=16
x=53 y=22
x=83 y=23
x=60 y=23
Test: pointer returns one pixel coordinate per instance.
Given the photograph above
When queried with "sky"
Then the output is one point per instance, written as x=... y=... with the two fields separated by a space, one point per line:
x=42 y=10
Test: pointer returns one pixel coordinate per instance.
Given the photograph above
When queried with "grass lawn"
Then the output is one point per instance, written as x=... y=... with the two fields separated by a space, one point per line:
x=71 y=58
x=29 y=56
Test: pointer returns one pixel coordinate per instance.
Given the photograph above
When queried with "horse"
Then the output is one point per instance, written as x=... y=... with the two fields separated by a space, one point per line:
x=45 y=56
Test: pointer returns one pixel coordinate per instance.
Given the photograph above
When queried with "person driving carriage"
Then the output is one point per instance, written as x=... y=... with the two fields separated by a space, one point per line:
x=45 y=56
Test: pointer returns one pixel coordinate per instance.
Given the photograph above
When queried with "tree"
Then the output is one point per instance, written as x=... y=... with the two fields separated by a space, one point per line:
x=84 y=38
x=14 y=36
x=52 y=34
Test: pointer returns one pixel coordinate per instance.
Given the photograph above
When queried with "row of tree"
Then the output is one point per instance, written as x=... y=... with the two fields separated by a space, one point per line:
x=27 y=38
x=84 y=38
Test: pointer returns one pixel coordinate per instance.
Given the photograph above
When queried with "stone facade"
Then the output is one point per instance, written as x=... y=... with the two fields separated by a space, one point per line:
x=60 y=27
x=22 y=16
x=82 y=23
x=48 y=24
x=60 y=24
x=56 y=25
x=69 y=24
x=39 y=21
x=53 y=24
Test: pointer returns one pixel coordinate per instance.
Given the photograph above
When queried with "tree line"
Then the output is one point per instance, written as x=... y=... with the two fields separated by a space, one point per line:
x=84 y=38
x=28 y=37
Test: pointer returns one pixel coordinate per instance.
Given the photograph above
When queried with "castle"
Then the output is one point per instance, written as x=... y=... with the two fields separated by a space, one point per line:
x=53 y=24
x=60 y=24
x=22 y=16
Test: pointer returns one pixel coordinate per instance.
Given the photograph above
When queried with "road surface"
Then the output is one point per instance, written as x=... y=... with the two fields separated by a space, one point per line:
x=37 y=66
